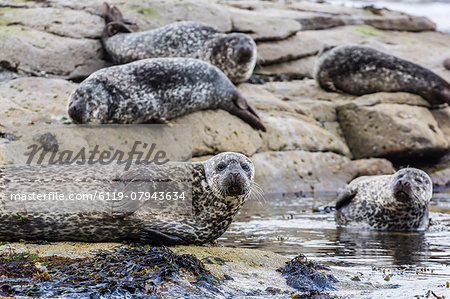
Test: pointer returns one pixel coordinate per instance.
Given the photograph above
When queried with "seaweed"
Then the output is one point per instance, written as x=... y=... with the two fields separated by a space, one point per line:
x=303 y=275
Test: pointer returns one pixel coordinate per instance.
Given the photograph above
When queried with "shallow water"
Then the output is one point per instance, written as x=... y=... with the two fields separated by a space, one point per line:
x=415 y=262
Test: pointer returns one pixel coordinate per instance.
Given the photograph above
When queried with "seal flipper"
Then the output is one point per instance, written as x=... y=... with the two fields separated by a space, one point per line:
x=345 y=197
x=115 y=23
x=242 y=109
x=157 y=238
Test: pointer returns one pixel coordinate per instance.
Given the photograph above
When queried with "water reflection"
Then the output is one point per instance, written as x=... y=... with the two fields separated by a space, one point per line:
x=398 y=248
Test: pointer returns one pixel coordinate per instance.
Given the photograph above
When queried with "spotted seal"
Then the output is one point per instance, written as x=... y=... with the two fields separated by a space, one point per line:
x=215 y=191
x=234 y=53
x=155 y=90
x=397 y=202
x=361 y=70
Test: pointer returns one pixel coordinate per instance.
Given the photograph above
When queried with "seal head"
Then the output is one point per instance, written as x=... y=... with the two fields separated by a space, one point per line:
x=411 y=186
x=229 y=174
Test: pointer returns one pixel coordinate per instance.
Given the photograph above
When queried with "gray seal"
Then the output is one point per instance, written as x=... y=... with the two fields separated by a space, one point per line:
x=397 y=202
x=215 y=189
x=234 y=53
x=361 y=70
x=156 y=90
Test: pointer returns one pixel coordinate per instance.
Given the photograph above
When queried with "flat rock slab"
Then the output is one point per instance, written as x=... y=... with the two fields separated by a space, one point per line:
x=262 y=27
x=59 y=21
x=39 y=53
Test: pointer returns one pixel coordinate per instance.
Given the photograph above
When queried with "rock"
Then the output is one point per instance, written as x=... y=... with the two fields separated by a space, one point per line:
x=40 y=53
x=442 y=116
x=230 y=272
x=288 y=49
x=290 y=131
x=263 y=100
x=59 y=21
x=215 y=131
x=149 y=14
x=373 y=166
x=292 y=172
x=390 y=130
x=402 y=22
x=441 y=179
x=296 y=69
x=32 y=100
x=261 y=27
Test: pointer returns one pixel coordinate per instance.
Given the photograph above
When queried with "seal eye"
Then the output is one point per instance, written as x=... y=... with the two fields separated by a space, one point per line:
x=418 y=181
x=400 y=176
x=245 y=166
x=221 y=166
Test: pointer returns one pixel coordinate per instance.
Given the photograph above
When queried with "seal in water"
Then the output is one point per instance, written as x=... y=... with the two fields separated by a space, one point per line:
x=397 y=202
x=119 y=207
x=360 y=70
x=233 y=53
x=155 y=90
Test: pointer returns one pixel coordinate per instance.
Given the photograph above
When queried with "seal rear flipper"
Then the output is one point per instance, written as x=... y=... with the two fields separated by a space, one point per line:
x=247 y=113
x=115 y=23
x=157 y=238
x=345 y=197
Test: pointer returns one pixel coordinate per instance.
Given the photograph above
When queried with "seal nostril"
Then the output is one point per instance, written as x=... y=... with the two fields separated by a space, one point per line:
x=75 y=114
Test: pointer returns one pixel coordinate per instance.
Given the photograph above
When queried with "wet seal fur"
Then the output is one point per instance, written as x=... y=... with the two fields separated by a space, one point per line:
x=397 y=202
x=156 y=90
x=234 y=53
x=219 y=188
x=361 y=70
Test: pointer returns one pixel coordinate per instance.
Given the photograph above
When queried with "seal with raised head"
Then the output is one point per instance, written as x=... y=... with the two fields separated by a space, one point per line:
x=156 y=90
x=361 y=70
x=397 y=202
x=174 y=203
x=234 y=53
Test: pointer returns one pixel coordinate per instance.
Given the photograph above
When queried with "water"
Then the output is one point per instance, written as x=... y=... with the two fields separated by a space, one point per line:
x=436 y=11
x=415 y=262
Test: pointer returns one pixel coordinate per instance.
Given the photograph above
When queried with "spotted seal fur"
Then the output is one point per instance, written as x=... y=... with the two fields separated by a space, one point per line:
x=397 y=202
x=361 y=70
x=234 y=53
x=155 y=90
x=215 y=191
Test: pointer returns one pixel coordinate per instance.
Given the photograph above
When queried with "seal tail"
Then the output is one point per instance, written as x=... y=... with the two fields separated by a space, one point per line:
x=114 y=21
x=242 y=109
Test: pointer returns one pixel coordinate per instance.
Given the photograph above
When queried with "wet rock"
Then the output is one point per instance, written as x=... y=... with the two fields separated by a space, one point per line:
x=59 y=21
x=281 y=173
x=390 y=130
x=288 y=49
x=39 y=53
x=261 y=27
x=373 y=166
x=215 y=131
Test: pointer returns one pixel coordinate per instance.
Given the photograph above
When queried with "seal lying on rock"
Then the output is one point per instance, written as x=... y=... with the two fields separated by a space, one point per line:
x=233 y=53
x=397 y=202
x=121 y=206
x=156 y=90
x=360 y=70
